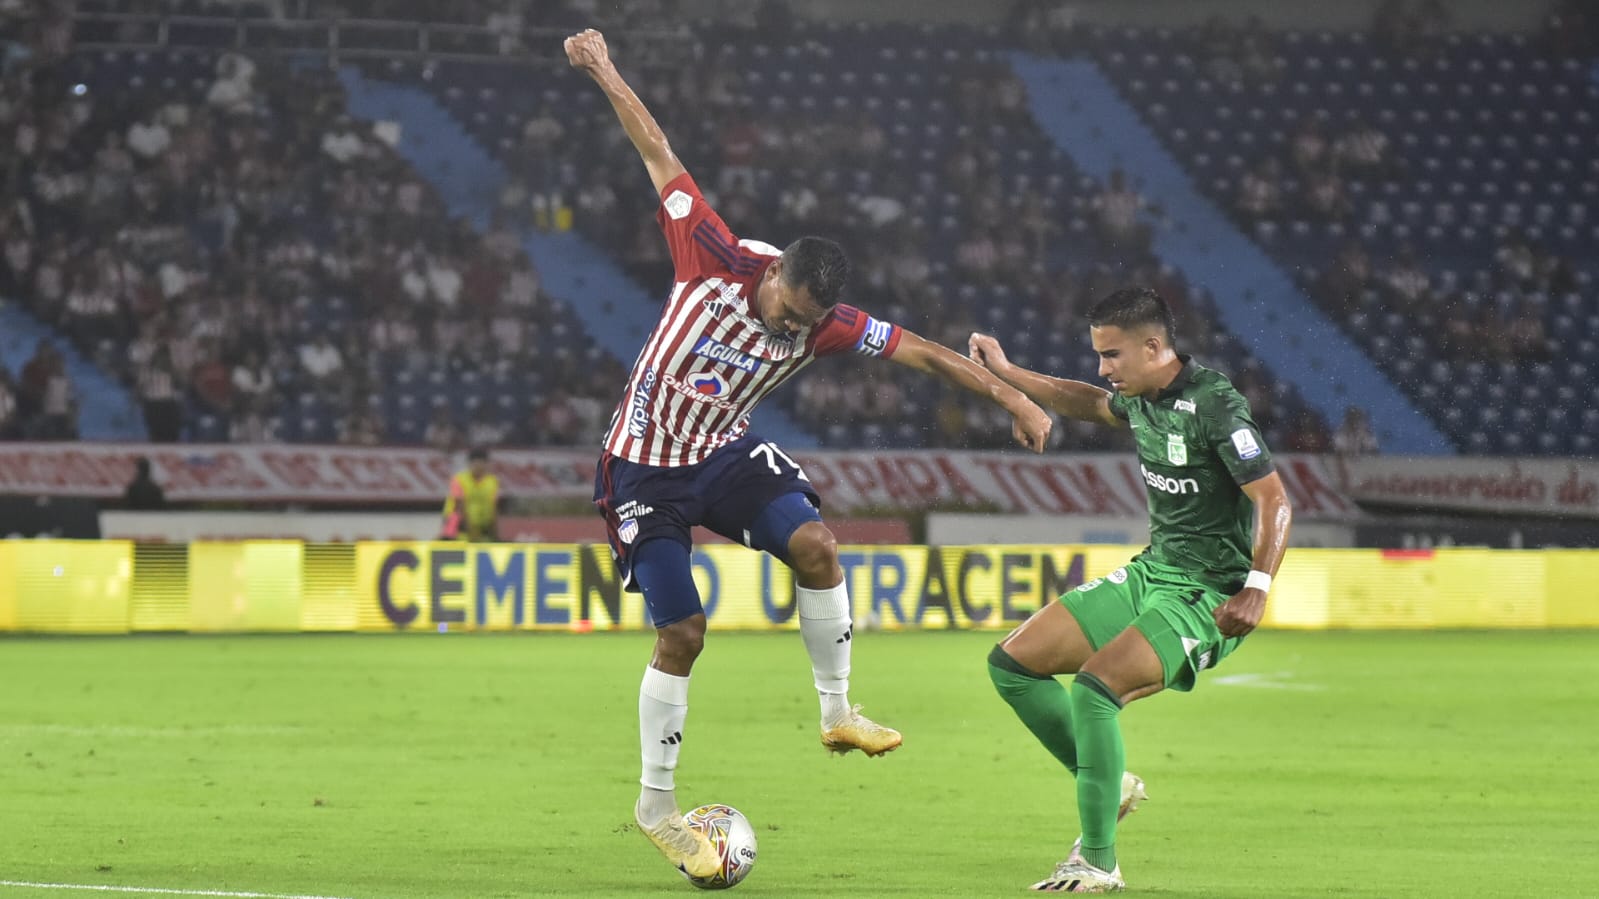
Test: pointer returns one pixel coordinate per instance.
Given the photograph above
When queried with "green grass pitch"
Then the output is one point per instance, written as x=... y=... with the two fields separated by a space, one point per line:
x=474 y=767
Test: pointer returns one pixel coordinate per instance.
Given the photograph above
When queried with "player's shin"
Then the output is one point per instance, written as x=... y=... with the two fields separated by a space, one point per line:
x=1040 y=701
x=1100 y=761
x=662 y=709
x=826 y=629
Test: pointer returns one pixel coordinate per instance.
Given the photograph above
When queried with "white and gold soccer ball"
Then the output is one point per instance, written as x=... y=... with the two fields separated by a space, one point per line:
x=730 y=832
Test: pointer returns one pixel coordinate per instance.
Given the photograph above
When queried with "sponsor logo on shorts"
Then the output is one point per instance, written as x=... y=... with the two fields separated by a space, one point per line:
x=633 y=509
x=1244 y=442
x=1174 y=486
x=638 y=413
x=721 y=352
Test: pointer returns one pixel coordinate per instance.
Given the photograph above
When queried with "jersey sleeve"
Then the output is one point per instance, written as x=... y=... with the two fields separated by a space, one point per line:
x=846 y=328
x=1231 y=431
x=1118 y=406
x=697 y=238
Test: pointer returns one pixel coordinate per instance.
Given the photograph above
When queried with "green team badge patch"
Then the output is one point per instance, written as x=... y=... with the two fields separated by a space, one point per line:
x=1176 y=450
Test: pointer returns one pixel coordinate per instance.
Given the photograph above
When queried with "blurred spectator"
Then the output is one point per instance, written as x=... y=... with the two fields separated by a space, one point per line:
x=321 y=359
x=1355 y=436
x=158 y=393
x=442 y=434
x=10 y=414
x=1260 y=191
x=143 y=493
x=1117 y=207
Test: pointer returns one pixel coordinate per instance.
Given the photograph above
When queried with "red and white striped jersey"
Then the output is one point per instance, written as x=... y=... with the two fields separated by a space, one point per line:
x=709 y=361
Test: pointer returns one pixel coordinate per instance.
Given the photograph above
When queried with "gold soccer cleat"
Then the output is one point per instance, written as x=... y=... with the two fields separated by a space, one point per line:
x=1081 y=877
x=686 y=848
x=860 y=732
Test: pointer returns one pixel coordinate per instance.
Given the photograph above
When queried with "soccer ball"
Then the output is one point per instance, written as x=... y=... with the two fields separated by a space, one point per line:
x=730 y=832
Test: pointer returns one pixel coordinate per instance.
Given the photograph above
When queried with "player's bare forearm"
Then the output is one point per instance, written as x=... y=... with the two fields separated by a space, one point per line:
x=1073 y=399
x=924 y=355
x=587 y=51
x=1031 y=425
x=1273 y=517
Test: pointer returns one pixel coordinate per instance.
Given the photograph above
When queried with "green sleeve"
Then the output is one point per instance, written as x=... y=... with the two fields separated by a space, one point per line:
x=1118 y=405
x=1231 y=432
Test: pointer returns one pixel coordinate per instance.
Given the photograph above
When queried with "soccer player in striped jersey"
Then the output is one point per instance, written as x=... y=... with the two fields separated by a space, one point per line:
x=742 y=318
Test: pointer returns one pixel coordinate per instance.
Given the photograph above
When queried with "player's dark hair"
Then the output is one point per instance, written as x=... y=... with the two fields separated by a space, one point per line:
x=1134 y=307
x=820 y=266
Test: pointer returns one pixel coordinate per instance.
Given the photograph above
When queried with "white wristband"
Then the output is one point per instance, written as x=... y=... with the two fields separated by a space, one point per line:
x=1258 y=580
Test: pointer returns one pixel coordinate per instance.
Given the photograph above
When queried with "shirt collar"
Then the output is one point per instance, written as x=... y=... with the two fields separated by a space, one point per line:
x=1185 y=375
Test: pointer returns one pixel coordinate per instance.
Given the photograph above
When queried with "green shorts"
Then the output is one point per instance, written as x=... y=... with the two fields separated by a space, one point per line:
x=1171 y=610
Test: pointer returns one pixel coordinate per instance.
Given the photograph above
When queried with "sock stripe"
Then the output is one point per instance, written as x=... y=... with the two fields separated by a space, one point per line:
x=1004 y=661
x=1098 y=686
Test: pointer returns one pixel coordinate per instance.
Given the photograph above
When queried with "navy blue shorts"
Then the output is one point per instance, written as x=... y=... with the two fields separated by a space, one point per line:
x=726 y=492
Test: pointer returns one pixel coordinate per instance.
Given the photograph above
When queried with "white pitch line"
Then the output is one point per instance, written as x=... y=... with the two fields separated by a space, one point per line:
x=1275 y=681
x=153 y=891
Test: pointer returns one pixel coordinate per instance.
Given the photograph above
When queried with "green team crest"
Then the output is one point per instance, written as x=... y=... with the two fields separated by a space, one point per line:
x=1176 y=450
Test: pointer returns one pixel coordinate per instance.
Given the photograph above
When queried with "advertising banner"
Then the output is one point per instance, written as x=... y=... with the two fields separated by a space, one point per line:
x=850 y=483
x=1562 y=487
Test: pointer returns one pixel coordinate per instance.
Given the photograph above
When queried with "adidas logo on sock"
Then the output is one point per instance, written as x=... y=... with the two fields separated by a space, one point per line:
x=848 y=631
x=674 y=739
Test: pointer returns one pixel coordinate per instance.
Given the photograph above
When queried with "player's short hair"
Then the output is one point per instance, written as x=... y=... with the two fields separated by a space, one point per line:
x=820 y=266
x=1134 y=307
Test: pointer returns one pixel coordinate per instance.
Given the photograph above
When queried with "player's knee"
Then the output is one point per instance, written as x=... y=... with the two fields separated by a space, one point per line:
x=682 y=640
x=813 y=552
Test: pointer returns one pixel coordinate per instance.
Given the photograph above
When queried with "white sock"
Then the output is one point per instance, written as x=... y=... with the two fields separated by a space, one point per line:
x=662 y=709
x=828 y=635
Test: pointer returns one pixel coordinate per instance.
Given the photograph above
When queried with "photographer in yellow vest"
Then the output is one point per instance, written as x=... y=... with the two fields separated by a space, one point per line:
x=471 y=511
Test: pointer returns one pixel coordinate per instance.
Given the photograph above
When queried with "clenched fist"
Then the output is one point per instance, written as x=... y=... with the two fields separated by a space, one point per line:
x=586 y=50
x=986 y=351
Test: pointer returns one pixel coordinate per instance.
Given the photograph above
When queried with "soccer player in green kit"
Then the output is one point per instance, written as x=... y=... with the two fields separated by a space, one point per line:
x=1218 y=521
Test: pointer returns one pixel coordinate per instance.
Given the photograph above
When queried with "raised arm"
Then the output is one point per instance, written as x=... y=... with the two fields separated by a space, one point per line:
x=586 y=50
x=1030 y=425
x=1273 y=517
x=1073 y=399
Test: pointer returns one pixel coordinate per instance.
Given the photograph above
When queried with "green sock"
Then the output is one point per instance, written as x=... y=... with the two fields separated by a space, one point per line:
x=1101 y=760
x=1040 y=701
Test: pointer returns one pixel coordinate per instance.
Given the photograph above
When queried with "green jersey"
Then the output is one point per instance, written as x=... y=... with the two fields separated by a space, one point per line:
x=1197 y=445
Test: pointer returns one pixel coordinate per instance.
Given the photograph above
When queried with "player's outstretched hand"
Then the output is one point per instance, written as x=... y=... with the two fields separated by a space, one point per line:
x=1239 y=615
x=586 y=50
x=1031 y=425
x=986 y=351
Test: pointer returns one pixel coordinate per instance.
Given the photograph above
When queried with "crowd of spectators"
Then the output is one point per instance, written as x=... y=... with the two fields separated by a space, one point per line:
x=257 y=266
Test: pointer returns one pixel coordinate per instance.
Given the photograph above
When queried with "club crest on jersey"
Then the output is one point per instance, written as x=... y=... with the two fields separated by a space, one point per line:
x=1176 y=450
x=707 y=384
x=721 y=352
x=777 y=346
x=627 y=532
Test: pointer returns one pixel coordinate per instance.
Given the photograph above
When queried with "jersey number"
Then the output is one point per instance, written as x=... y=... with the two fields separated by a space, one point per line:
x=771 y=452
